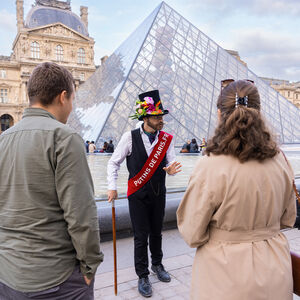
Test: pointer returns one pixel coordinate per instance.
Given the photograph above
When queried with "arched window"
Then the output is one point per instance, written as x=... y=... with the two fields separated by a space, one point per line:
x=81 y=56
x=59 y=52
x=35 y=50
x=6 y=121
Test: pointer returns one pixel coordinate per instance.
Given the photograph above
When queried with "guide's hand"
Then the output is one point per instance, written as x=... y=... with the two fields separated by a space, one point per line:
x=112 y=195
x=173 y=168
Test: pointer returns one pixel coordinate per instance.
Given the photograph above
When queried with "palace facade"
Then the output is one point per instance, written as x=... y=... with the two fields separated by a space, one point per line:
x=50 y=32
x=289 y=90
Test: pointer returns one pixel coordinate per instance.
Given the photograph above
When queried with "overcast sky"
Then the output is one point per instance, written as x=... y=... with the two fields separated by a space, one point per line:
x=266 y=33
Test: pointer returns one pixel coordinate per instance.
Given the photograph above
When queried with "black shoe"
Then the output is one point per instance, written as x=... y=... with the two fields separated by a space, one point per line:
x=144 y=287
x=161 y=273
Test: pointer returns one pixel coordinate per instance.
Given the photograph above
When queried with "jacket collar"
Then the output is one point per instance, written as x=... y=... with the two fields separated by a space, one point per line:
x=37 y=112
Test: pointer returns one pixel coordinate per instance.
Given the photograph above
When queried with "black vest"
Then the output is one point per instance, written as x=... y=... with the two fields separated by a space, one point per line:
x=135 y=162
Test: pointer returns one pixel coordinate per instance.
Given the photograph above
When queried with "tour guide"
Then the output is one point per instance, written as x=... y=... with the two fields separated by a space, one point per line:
x=149 y=154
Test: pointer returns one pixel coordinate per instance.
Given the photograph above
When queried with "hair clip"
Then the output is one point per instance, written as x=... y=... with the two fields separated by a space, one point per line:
x=241 y=100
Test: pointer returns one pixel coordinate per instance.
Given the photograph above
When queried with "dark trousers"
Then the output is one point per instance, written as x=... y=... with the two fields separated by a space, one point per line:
x=74 y=288
x=146 y=216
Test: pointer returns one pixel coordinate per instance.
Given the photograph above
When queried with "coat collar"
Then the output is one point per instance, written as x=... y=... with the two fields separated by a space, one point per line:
x=37 y=112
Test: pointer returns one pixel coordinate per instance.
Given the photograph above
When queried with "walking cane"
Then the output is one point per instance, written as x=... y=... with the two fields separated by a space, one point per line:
x=113 y=212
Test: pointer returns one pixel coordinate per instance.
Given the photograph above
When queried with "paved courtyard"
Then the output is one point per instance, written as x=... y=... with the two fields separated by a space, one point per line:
x=178 y=261
x=180 y=268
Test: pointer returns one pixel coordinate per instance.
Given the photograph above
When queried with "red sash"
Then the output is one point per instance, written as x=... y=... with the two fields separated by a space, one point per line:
x=153 y=161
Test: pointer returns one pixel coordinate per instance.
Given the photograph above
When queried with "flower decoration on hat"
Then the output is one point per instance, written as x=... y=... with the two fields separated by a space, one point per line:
x=146 y=107
x=149 y=104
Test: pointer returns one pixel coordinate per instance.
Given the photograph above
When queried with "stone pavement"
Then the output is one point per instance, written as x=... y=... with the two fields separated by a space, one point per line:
x=178 y=259
x=180 y=268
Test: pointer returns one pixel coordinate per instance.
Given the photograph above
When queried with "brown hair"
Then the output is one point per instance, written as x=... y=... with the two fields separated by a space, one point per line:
x=48 y=80
x=241 y=131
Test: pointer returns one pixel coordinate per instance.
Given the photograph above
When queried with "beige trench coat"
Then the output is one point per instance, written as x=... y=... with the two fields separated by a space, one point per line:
x=232 y=213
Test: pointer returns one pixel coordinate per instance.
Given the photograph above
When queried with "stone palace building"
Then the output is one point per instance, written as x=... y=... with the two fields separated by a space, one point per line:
x=289 y=90
x=50 y=32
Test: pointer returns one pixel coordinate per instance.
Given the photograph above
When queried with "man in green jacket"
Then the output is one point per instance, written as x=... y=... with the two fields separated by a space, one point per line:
x=49 y=234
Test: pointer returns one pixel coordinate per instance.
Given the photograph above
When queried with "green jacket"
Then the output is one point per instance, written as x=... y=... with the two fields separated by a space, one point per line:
x=48 y=216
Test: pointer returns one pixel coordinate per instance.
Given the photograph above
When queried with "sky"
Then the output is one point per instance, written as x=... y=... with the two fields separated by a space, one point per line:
x=266 y=33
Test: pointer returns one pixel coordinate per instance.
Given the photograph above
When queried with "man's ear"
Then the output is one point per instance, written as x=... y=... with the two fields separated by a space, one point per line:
x=62 y=97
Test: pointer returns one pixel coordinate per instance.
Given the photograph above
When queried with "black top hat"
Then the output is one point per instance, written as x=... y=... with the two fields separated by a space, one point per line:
x=149 y=105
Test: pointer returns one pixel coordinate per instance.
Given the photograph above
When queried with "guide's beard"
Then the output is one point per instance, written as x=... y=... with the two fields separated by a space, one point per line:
x=156 y=127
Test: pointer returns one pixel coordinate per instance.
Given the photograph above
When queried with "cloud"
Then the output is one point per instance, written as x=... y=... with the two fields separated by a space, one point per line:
x=259 y=7
x=264 y=32
x=7 y=21
x=9 y=30
x=97 y=19
x=94 y=15
x=257 y=39
x=272 y=67
x=99 y=53
x=125 y=12
x=268 y=53
x=278 y=7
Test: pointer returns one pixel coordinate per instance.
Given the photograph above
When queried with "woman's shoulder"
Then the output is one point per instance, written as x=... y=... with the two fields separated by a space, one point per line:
x=216 y=163
x=232 y=164
x=281 y=160
x=209 y=161
x=212 y=158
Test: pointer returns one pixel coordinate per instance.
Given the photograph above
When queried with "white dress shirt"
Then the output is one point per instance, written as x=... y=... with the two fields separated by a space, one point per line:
x=124 y=149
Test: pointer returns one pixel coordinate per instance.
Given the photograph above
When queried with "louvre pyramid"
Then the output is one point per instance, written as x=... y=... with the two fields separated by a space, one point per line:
x=168 y=53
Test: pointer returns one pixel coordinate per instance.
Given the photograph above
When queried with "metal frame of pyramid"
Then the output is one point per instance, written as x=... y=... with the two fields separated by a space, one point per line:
x=168 y=53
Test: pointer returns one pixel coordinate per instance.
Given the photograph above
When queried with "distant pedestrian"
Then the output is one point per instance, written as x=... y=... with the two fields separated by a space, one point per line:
x=110 y=147
x=203 y=146
x=186 y=147
x=237 y=200
x=104 y=148
x=194 y=148
x=87 y=143
x=92 y=147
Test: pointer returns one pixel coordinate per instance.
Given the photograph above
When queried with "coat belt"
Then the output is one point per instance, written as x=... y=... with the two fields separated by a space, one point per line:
x=243 y=236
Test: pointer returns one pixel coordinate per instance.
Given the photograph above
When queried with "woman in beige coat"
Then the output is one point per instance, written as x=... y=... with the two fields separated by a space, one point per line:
x=237 y=200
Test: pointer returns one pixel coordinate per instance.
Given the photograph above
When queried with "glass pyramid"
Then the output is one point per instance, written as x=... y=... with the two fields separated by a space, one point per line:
x=168 y=53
